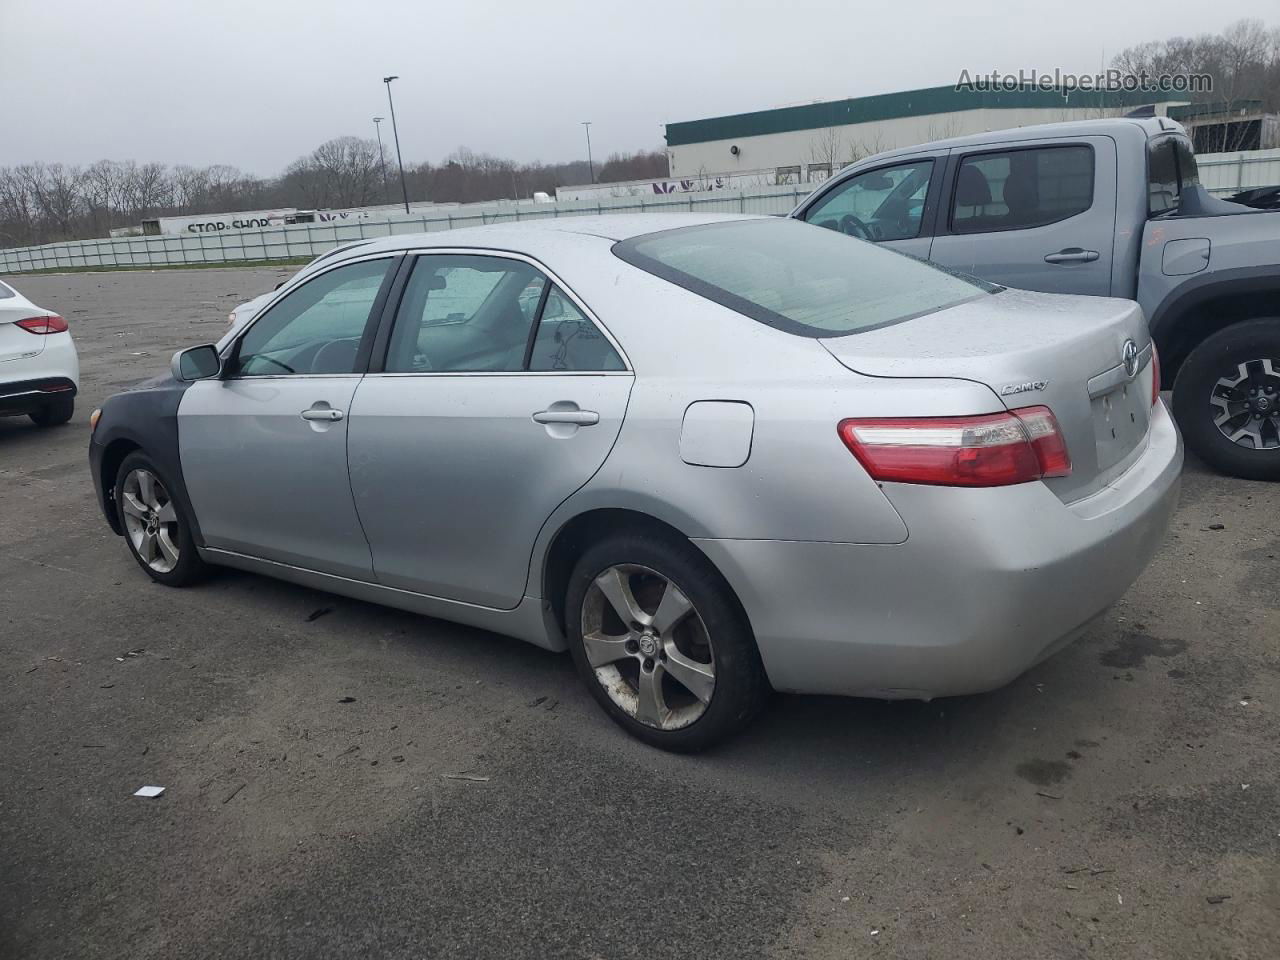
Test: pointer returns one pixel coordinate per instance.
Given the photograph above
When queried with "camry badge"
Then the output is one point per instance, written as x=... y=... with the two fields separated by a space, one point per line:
x=1009 y=389
x=1129 y=355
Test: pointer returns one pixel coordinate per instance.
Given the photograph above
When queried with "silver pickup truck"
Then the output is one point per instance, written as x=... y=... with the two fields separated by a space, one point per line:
x=1109 y=208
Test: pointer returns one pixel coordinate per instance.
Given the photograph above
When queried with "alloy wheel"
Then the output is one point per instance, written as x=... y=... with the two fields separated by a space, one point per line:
x=648 y=646
x=150 y=519
x=1246 y=404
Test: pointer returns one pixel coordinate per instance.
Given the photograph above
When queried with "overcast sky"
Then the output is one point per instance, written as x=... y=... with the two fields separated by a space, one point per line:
x=256 y=84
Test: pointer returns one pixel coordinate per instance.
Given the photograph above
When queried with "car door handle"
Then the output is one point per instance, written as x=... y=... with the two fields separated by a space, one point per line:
x=327 y=414
x=1072 y=255
x=581 y=418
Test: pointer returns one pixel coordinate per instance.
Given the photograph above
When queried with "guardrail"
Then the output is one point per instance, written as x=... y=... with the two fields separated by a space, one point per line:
x=312 y=239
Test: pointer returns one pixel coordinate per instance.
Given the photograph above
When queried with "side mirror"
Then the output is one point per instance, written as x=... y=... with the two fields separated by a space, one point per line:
x=196 y=363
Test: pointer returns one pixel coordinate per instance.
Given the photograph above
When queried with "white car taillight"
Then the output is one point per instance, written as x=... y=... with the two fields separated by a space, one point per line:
x=990 y=450
x=43 y=326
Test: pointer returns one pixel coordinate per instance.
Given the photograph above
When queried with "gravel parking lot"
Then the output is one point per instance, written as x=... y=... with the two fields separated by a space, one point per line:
x=1120 y=800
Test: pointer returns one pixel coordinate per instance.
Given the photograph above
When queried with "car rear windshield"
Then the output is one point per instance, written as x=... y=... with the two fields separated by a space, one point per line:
x=798 y=277
x=6 y=293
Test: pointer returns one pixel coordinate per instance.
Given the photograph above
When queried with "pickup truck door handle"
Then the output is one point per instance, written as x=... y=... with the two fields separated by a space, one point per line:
x=326 y=414
x=1072 y=255
x=581 y=418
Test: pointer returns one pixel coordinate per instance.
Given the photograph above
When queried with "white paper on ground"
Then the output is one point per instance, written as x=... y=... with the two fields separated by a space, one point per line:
x=149 y=792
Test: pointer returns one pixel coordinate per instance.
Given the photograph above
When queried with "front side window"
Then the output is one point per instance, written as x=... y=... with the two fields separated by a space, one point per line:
x=1019 y=189
x=317 y=328
x=786 y=274
x=884 y=204
x=480 y=314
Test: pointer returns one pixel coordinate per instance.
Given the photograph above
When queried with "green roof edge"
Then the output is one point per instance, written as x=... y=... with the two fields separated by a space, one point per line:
x=888 y=106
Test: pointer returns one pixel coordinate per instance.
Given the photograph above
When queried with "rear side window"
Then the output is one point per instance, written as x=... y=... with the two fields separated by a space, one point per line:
x=1018 y=189
x=567 y=340
x=1171 y=165
x=465 y=313
x=798 y=278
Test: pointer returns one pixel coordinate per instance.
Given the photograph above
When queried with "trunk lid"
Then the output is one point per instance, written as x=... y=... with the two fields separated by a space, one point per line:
x=16 y=343
x=1064 y=352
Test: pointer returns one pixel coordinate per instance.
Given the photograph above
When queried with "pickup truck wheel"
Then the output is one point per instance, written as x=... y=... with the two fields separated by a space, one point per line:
x=1227 y=400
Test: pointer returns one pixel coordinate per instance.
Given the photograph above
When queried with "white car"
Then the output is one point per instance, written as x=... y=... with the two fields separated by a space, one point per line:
x=242 y=314
x=39 y=368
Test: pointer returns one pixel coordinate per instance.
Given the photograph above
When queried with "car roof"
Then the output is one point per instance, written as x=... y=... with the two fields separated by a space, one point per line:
x=531 y=236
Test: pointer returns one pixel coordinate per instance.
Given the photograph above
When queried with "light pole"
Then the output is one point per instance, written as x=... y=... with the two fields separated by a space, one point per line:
x=382 y=163
x=404 y=190
x=586 y=125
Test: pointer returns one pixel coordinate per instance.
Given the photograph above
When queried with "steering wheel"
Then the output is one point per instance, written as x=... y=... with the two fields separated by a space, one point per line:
x=854 y=227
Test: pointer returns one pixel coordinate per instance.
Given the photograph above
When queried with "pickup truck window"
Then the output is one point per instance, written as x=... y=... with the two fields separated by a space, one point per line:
x=1171 y=165
x=882 y=204
x=1018 y=189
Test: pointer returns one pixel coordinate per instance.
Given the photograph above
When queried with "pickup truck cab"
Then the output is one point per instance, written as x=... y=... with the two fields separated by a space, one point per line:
x=1106 y=208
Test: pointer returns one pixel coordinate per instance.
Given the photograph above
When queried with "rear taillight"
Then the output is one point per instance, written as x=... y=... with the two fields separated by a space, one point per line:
x=992 y=450
x=1155 y=374
x=51 y=323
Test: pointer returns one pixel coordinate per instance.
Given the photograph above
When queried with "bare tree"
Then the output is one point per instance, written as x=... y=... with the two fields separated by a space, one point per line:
x=1243 y=62
x=826 y=149
x=865 y=148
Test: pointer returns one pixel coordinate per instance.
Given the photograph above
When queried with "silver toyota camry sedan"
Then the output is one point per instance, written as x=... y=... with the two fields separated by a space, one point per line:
x=710 y=456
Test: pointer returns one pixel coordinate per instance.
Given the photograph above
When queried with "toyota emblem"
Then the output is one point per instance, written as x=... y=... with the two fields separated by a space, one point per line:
x=1129 y=355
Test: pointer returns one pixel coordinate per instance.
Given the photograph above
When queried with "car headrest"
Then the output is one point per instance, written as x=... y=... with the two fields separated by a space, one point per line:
x=1021 y=190
x=971 y=188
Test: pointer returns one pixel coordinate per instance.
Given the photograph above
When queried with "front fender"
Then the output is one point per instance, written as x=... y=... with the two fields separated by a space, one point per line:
x=144 y=418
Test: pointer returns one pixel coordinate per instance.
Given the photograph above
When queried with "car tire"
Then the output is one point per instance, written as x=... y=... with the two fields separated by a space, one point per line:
x=1212 y=401
x=54 y=414
x=649 y=668
x=156 y=527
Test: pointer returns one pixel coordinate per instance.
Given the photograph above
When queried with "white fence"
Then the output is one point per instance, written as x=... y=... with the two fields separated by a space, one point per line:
x=1221 y=173
x=312 y=239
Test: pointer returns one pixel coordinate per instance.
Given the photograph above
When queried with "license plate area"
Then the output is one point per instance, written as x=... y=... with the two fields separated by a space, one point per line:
x=1121 y=417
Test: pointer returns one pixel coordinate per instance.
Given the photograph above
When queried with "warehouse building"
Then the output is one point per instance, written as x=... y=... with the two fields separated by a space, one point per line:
x=806 y=143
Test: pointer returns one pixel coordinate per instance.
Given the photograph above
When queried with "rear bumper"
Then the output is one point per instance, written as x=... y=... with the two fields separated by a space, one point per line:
x=988 y=582
x=33 y=382
x=27 y=396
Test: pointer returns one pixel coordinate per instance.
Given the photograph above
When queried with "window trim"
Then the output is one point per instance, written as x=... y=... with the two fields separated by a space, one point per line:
x=391 y=310
x=231 y=352
x=930 y=194
x=958 y=161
